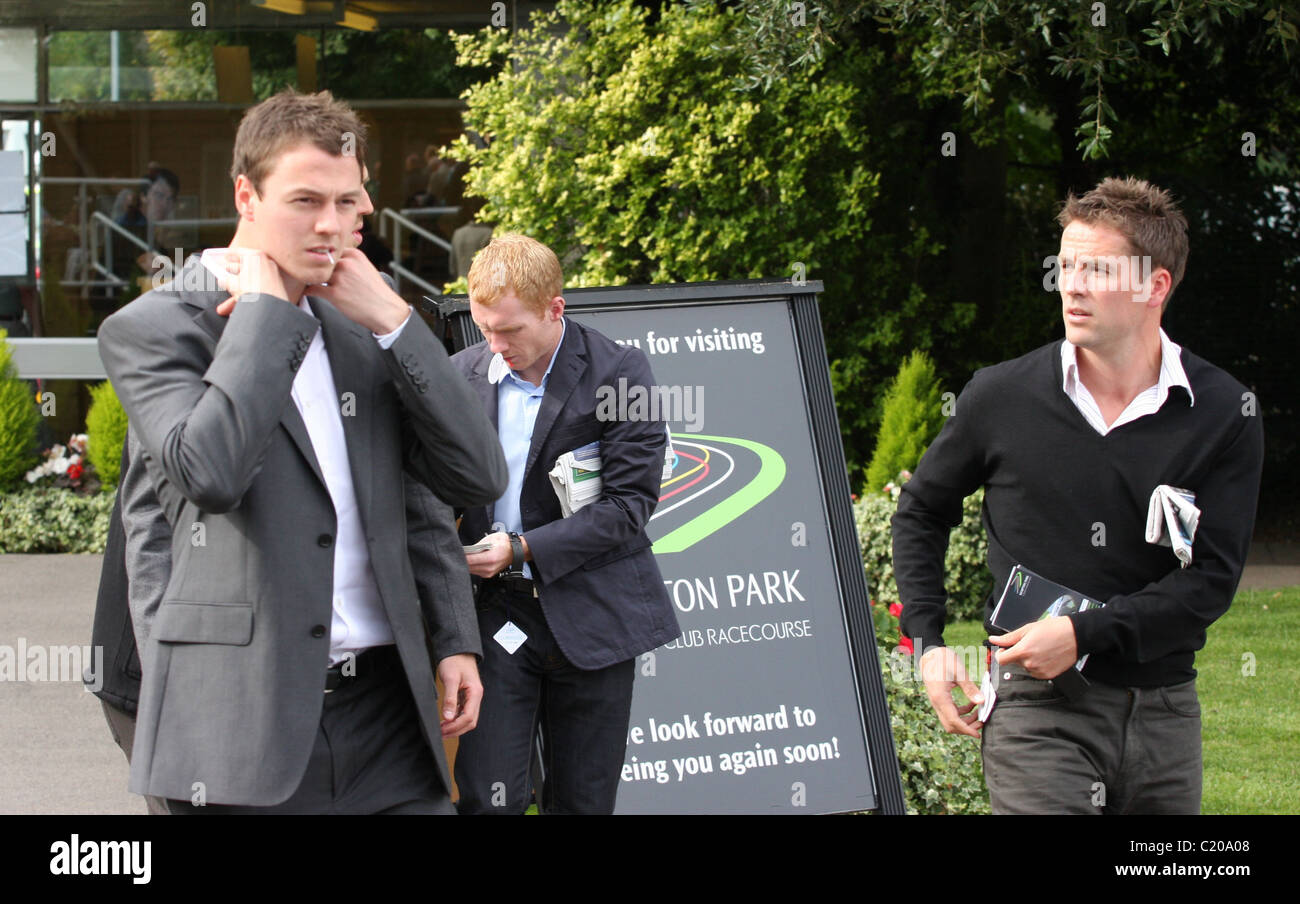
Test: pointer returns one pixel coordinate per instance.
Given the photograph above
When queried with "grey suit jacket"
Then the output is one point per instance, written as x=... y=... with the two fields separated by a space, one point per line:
x=235 y=655
x=148 y=541
x=437 y=560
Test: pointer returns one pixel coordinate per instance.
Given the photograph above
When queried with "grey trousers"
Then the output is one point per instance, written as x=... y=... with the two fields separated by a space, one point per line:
x=1118 y=750
x=370 y=755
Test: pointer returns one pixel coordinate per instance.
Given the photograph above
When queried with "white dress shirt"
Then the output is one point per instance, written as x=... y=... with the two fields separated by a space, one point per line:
x=1147 y=402
x=358 y=621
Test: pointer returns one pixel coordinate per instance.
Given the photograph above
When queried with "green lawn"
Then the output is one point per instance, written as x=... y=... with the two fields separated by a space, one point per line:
x=1250 y=723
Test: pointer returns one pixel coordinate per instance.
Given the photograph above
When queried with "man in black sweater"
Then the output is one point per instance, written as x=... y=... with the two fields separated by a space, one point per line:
x=1069 y=443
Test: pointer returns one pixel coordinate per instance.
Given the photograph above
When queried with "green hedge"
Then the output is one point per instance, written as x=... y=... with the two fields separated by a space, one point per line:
x=942 y=773
x=968 y=579
x=48 y=519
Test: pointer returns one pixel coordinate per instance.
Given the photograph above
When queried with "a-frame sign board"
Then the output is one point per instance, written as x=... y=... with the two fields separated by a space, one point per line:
x=771 y=700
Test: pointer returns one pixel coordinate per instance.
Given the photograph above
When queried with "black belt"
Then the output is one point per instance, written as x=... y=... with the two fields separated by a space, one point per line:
x=514 y=583
x=366 y=664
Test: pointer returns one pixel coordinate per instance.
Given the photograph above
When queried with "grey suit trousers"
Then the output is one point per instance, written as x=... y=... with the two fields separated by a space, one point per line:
x=1118 y=750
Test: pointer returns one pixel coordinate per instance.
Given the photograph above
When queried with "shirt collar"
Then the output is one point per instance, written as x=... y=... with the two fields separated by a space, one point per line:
x=1171 y=370
x=498 y=370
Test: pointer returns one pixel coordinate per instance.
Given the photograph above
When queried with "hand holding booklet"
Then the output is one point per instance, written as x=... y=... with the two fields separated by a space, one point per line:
x=1029 y=597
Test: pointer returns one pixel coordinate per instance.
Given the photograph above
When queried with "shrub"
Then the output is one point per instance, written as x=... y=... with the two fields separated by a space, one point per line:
x=967 y=577
x=942 y=773
x=19 y=420
x=45 y=519
x=106 y=426
x=911 y=419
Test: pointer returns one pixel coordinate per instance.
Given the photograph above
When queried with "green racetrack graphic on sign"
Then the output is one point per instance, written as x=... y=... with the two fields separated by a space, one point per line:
x=770 y=474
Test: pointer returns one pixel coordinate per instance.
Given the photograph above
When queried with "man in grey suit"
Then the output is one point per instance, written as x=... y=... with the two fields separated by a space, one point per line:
x=287 y=668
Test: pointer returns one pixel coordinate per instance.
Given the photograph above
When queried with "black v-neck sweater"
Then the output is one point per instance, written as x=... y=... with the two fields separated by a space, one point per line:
x=1071 y=505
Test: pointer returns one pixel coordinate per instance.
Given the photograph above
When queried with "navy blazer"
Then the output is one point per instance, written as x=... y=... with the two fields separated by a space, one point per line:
x=598 y=583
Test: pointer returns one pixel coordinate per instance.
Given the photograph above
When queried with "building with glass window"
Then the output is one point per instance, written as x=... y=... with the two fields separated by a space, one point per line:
x=118 y=124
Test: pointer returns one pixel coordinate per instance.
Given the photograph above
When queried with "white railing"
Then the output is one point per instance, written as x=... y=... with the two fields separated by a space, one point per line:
x=401 y=220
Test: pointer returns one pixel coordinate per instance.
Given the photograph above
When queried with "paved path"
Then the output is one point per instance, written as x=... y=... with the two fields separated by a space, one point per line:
x=55 y=749
x=1272 y=565
x=57 y=754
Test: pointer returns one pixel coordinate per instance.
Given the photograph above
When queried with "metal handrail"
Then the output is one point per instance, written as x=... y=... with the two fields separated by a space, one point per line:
x=78 y=180
x=98 y=221
x=120 y=230
x=401 y=220
x=191 y=221
x=83 y=221
x=399 y=272
x=428 y=211
x=210 y=221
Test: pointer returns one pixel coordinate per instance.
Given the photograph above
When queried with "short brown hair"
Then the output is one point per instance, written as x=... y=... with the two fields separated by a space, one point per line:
x=288 y=119
x=1147 y=216
x=514 y=261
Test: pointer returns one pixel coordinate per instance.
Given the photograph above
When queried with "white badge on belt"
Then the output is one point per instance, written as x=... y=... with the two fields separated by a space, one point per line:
x=510 y=637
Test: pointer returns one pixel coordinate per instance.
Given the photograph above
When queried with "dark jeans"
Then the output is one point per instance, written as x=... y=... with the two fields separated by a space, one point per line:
x=583 y=716
x=1119 y=750
x=370 y=754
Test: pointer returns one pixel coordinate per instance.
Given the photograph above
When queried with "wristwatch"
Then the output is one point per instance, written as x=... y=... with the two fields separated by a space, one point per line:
x=516 y=554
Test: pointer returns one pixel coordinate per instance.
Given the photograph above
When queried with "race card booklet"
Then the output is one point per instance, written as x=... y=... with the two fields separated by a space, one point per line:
x=1030 y=597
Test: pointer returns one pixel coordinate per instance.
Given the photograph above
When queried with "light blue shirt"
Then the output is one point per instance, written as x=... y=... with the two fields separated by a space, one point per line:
x=518 y=402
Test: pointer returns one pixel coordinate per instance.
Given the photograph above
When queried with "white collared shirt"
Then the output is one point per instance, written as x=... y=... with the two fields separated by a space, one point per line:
x=358 y=620
x=518 y=403
x=1149 y=401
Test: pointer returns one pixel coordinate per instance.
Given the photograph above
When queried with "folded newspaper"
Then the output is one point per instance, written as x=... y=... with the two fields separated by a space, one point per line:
x=576 y=478
x=1172 y=518
x=576 y=475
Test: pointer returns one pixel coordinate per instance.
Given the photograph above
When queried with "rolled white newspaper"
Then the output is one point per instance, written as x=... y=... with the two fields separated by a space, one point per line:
x=576 y=478
x=1172 y=518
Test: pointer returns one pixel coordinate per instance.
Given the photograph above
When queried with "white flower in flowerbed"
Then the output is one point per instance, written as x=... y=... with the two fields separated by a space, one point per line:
x=65 y=466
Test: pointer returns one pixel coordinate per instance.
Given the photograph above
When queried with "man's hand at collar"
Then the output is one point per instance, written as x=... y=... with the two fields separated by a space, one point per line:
x=250 y=272
x=359 y=293
x=1044 y=648
x=462 y=692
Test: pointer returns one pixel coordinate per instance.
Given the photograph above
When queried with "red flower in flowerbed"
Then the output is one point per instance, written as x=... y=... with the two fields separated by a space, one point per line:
x=74 y=472
x=896 y=610
x=905 y=644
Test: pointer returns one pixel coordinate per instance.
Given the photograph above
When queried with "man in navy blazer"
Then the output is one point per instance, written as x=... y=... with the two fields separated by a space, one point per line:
x=565 y=604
